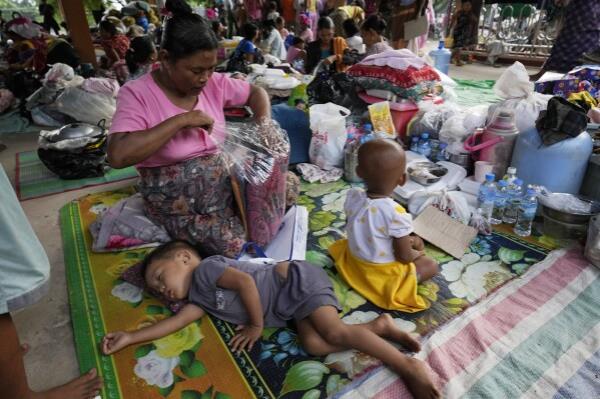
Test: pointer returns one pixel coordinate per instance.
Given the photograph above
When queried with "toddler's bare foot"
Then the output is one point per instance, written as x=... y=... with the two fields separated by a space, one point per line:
x=416 y=377
x=385 y=324
x=85 y=387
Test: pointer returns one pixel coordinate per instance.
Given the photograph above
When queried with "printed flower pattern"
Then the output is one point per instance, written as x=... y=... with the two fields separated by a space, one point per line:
x=282 y=345
x=473 y=276
x=174 y=344
x=127 y=292
x=156 y=370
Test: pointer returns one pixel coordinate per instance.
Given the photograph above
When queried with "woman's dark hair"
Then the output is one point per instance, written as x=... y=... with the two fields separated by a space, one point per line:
x=185 y=32
x=249 y=31
x=325 y=23
x=374 y=22
x=108 y=27
x=350 y=27
x=297 y=40
x=268 y=25
x=140 y=50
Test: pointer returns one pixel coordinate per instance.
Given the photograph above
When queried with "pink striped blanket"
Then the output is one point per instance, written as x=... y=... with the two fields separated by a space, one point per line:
x=536 y=337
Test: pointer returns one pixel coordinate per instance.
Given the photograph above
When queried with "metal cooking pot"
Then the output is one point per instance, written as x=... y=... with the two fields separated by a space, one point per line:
x=570 y=216
x=78 y=130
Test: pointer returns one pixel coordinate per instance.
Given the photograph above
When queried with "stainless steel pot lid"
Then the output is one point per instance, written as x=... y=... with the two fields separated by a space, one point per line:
x=77 y=130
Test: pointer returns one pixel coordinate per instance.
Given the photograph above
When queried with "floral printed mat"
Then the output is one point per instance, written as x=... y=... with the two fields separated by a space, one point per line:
x=195 y=362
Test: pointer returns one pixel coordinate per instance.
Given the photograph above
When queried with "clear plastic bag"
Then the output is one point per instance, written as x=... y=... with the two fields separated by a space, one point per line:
x=481 y=223
x=566 y=202
x=452 y=203
x=252 y=149
x=62 y=145
x=87 y=107
x=461 y=125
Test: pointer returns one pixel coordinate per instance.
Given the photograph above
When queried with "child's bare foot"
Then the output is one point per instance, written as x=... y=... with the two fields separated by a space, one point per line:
x=85 y=387
x=416 y=377
x=385 y=324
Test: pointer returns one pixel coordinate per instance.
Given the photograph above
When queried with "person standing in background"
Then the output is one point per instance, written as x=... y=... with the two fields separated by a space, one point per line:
x=47 y=11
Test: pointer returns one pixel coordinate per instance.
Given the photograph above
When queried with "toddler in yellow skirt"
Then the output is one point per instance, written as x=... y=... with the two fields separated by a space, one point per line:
x=381 y=258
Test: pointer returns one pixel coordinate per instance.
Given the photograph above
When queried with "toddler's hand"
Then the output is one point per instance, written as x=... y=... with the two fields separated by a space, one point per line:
x=417 y=243
x=114 y=342
x=245 y=338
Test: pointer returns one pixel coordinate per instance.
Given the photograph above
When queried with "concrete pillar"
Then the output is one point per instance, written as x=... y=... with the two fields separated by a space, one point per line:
x=79 y=30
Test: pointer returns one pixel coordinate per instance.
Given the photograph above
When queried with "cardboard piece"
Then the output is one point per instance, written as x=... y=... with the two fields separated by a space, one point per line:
x=444 y=232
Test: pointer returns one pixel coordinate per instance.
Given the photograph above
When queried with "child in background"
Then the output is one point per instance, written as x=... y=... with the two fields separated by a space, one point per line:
x=272 y=13
x=464 y=27
x=246 y=52
x=140 y=57
x=296 y=55
x=255 y=296
x=353 y=39
x=280 y=25
x=305 y=32
x=381 y=259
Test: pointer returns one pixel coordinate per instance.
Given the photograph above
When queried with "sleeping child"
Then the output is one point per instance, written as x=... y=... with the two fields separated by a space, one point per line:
x=255 y=296
x=381 y=259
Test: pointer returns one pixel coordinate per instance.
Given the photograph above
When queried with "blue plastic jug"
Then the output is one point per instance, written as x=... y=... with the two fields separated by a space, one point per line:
x=559 y=167
x=441 y=58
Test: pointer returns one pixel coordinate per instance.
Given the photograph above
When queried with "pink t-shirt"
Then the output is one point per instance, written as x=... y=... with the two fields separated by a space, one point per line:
x=141 y=105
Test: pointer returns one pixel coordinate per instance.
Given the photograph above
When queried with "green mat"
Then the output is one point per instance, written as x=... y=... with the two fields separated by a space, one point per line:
x=34 y=180
x=475 y=92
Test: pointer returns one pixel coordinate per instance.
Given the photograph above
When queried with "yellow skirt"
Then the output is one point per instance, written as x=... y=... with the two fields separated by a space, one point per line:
x=391 y=286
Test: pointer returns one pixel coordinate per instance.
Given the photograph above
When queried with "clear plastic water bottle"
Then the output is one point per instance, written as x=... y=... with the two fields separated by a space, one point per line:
x=487 y=196
x=435 y=150
x=414 y=144
x=442 y=152
x=441 y=57
x=527 y=209
x=511 y=175
x=515 y=192
x=500 y=202
x=424 y=148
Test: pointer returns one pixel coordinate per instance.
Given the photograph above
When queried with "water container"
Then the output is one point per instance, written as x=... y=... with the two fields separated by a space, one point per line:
x=441 y=58
x=559 y=167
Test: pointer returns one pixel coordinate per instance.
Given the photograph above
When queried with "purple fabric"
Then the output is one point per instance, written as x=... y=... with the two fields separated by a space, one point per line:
x=580 y=34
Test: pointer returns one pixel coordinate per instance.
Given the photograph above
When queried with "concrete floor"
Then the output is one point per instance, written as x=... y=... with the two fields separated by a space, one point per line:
x=46 y=326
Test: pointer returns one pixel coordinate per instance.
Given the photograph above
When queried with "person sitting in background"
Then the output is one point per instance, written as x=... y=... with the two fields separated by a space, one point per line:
x=246 y=52
x=135 y=31
x=49 y=24
x=280 y=25
x=219 y=29
x=353 y=39
x=464 y=23
x=272 y=42
x=327 y=48
x=140 y=57
x=372 y=33
x=296 y=55
x=304 y=32
x=115 y=44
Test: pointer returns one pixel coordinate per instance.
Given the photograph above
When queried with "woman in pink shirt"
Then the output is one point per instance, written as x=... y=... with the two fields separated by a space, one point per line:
x=168 y=123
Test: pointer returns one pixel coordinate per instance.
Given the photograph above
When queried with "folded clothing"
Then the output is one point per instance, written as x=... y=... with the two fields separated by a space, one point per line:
x=405 y=78
x=416 y=93
x=397 y=59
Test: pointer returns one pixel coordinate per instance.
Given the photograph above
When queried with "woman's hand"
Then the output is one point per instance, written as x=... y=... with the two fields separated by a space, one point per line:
x=114 y=342
x=197 y=118
x=245 y=338
x=330 y=60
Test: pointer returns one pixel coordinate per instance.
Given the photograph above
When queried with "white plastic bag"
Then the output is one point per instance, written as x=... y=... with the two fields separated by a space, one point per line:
x=461 y=125
x=592 y=247
x=519 y=95
x=328 y=125
x=450 y=202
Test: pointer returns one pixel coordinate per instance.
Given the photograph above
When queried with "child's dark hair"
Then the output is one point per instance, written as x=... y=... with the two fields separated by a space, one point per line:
x=109 y=27
x=325 y=23
x=166 y=251
x=249 y=31
x=215 y=25
x=279 y=20
x=185 y=32
x=374 y=22
x=140 y=50
x=273 y=6
x=297 y=40
x=350 y=27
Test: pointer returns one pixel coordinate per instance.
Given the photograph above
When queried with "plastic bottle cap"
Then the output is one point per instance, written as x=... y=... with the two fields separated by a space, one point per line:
x=518 y=182
x=425 y=135
x=368 y=127
x=503 y=183
x=441 y=45
x=511 y=170
x=531 y=192
x=490 y=177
